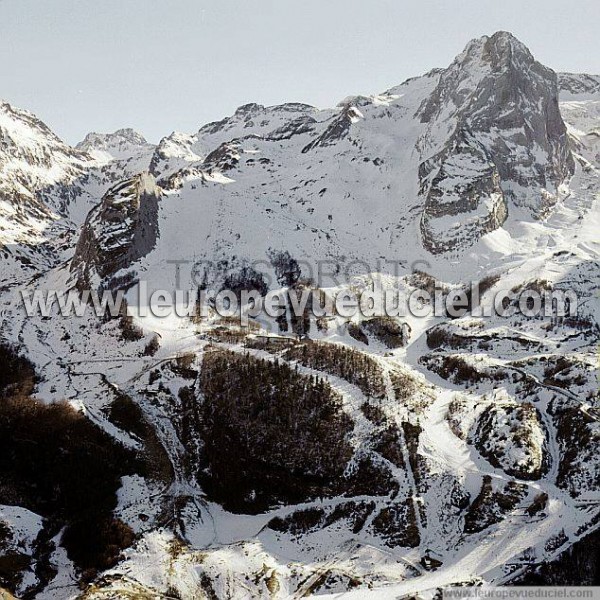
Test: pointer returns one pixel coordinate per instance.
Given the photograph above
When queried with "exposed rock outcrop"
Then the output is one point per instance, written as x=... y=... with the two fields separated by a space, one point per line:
x=33 y=160
x=495 y=139
x=121 y=144
x=173 y=152
x=338 y=128
x=120 y=230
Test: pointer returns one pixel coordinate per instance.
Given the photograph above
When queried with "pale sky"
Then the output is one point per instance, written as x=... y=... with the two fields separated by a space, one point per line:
x=164 y=65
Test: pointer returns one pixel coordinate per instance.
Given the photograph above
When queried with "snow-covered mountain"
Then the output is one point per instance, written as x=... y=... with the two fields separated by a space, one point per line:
x=389 y=457
x=495 y=140
x=37 y=175
x=579 y=86
x=122 y=144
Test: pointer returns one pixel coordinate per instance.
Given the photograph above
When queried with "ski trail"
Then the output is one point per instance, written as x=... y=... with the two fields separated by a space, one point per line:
x=440 y=444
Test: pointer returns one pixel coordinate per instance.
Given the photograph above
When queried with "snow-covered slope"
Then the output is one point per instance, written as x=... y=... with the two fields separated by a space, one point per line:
x=409 y=454
x=37 y=172
x=122 y=144
x=579 y=86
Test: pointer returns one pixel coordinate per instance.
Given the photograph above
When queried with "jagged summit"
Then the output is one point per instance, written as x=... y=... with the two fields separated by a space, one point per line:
x=494 y=111
x=126 y=134
x=14 y=119
x=500 y=63
x=173 y=152
x=34 y=164
x=121 y=144
x=24 y=137
x=499 y=47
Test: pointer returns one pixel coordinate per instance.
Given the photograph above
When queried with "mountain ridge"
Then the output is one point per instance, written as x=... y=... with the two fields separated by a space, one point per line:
x=301 y=455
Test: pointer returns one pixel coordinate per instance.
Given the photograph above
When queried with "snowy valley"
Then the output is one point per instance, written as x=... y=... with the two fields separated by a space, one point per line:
x=352 y=458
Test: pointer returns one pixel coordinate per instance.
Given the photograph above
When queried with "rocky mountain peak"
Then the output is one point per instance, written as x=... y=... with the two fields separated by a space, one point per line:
x=250 y=119
x=501 y=67
x=172 y=153
x=14 y=121
x=500 y=107
x=126 y=134
x=35 y=165
x=121 y=144
x=24 y=137
x=500 y=49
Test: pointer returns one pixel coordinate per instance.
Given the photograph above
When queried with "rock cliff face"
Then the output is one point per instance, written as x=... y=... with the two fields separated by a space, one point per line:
x=122 y=229
x=463 y=195
x=495 y=139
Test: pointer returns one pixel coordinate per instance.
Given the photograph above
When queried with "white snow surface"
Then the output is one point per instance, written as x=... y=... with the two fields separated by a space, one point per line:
x=273 y=179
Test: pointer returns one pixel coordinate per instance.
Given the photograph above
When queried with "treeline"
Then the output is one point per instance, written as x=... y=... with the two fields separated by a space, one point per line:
x=356 y=367
x=490 y=506
x=270 y=433
x=58 y=464
x=15 y=371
